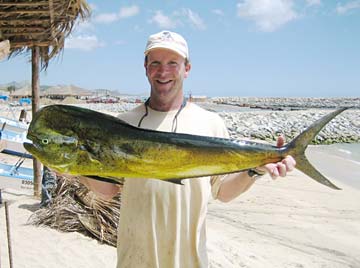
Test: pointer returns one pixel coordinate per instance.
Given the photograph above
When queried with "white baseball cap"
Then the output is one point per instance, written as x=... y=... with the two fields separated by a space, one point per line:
x=168 y=40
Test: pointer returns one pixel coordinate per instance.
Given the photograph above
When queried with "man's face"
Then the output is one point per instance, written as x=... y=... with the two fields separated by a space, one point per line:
x=166 y=71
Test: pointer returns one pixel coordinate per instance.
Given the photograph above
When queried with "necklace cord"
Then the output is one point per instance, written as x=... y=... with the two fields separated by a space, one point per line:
x=146 y=111
x=174 y=123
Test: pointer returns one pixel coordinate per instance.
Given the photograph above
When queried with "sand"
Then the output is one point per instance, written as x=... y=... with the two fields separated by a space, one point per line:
x=290 y=222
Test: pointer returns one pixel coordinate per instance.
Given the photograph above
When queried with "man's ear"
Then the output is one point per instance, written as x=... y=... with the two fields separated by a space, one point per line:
x=187 y=70
x=145 y=67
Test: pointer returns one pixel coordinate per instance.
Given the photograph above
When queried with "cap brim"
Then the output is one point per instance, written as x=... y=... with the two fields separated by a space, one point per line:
x=162 y=46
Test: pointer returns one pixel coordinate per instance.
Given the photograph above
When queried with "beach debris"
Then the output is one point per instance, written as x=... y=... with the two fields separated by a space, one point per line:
x=76 y=209
x=66 y=139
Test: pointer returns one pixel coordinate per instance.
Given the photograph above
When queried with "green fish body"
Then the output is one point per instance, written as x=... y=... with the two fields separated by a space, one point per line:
x=79 y=141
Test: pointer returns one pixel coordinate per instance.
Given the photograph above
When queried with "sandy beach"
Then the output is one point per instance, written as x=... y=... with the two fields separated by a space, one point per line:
x=292 y=222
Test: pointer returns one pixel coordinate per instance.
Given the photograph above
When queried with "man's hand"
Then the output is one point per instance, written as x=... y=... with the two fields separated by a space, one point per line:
x=280 y=168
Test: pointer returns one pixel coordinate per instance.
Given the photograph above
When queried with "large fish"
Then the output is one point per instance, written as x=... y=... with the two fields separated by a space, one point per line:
x=79 y=141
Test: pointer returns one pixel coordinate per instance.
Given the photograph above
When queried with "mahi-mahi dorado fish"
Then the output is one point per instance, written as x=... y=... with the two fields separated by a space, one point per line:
x=79 y=141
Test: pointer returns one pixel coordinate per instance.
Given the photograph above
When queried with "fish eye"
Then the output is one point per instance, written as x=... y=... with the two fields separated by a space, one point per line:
x=45 y=141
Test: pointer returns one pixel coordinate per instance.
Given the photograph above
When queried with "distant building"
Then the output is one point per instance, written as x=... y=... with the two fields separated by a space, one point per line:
x=197 y=98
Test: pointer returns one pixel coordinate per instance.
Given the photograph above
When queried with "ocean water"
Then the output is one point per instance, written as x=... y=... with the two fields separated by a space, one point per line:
x=223 y=108
x=339 y=161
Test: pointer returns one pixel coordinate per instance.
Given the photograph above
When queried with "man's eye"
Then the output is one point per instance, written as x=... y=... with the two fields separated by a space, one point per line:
x=154 y=64
x=173 y=64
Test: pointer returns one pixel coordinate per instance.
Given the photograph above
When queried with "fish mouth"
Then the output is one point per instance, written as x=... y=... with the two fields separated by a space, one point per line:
x=31 y=148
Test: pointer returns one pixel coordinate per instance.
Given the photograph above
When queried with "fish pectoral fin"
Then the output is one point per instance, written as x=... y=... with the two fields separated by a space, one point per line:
x=176 y=181
x=107 y=179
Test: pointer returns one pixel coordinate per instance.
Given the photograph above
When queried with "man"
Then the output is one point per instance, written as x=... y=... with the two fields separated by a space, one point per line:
x=163 y=224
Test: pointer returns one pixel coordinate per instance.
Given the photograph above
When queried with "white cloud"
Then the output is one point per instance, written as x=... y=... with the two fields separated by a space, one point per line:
x=178 y=18
x=106 y=18
x=194 y=19
x=313 y=2
x=218 y=12
x=83 y=42
x=163 y=21
x=83 y=26
x=342 y=9
x=130 y=11
x=268 y=15
x=125 y=12
x=93 y=6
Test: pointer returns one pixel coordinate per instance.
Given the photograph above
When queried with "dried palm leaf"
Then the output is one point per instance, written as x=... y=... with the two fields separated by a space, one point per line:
x=42 y=23
x=76 y=209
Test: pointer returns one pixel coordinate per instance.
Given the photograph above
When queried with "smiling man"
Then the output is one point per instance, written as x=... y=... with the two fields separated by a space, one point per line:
x=163 y=224
x=166 y=69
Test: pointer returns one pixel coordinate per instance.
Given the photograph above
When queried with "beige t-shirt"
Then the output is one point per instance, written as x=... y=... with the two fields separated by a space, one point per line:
x=163 y=224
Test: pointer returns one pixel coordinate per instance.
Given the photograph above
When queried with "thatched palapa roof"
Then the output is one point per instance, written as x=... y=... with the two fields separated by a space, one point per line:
x=41 y=23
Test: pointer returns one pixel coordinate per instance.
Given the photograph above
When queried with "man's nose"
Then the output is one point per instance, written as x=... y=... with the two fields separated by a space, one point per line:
x=163 y=68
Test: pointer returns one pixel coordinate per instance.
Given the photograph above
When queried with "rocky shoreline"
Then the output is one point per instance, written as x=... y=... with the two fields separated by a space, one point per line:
x=267 y=125
x=274 y=103
x=289 y=116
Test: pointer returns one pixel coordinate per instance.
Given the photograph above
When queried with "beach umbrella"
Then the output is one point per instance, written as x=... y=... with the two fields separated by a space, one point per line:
x=38 y=27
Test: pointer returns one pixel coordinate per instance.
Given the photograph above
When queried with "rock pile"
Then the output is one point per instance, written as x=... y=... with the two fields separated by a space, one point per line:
x=267 y=125
x=289 y=103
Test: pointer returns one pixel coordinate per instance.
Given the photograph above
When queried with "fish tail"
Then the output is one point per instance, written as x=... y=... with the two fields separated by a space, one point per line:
x=297 y=147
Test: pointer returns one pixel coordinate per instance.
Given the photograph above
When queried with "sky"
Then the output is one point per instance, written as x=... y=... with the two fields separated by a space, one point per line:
x=263 y=48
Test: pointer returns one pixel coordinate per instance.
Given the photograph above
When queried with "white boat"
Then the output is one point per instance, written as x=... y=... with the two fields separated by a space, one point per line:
x=17 y=178
x=13 y=125
x=13 y=142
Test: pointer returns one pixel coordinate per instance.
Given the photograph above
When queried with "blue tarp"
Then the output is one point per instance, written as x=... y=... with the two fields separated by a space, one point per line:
x=25 y=101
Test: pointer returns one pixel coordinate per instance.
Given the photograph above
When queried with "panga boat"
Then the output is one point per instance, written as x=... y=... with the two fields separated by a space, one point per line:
x=17 y=177
x=14 y=125
x=13 y=134
x=13 y=143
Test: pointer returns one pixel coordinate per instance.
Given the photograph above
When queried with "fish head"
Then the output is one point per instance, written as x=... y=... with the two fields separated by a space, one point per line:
x=54 y=139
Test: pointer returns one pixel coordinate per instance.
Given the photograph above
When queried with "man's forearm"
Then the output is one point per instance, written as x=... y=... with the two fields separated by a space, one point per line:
x=234 y=185
x=104 y=190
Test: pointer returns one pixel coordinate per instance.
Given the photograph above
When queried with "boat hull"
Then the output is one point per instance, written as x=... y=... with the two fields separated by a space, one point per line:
x=19 y=179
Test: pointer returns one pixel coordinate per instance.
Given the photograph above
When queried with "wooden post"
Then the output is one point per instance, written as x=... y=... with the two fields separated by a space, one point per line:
x=7 y=218
x=35 y=102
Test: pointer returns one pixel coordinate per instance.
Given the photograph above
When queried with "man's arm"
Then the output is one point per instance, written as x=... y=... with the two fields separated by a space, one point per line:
x=235 y=184
x=104 y=190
